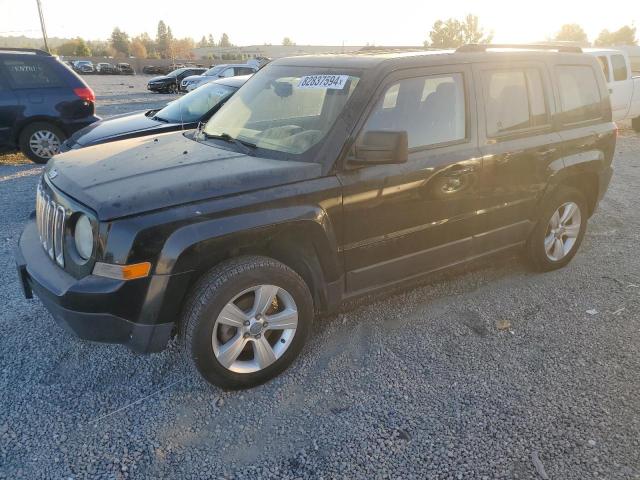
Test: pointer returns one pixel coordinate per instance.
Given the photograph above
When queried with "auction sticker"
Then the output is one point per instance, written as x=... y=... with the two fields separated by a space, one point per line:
x=334 y=82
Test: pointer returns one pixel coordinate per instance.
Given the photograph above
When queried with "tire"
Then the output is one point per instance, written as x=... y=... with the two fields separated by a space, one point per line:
x=173 y=88
x=39 y=141
x=635 y=123
x=206 y=334
x=543 y=250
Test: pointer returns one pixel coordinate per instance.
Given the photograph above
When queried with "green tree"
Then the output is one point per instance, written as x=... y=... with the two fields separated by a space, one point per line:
x=453 y=33
x=571 y=32
x=120 y=41
x=625 y=35
x=162 y=40
x=286 y=41
x=202 y=42
x=211 y=41
x=224 y=41
x=82 y=49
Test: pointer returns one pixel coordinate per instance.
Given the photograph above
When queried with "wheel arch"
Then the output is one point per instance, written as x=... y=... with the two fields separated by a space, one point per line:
x=300 y=237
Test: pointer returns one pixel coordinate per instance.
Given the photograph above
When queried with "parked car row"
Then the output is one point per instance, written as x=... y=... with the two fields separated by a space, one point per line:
x=165 y=69
x=104 y=68
x=186 y=79
x=322 y=179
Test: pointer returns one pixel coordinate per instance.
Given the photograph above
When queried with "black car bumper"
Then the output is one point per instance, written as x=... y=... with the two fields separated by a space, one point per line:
x=82 y=306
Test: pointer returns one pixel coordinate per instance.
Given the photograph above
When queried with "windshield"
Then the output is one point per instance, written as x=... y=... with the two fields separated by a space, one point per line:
x=213 y=71
x=175 y=73
x=285 y=109
x=194 y=105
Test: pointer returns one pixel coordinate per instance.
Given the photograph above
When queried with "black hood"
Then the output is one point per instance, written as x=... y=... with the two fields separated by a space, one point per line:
x=122 y=126
x=162 y=78
x=147 y=173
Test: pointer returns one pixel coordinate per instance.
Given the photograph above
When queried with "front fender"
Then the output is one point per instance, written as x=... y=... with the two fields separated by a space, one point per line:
x=192 y=246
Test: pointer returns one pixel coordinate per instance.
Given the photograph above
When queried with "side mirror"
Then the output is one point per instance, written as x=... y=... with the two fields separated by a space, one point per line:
x=381 y=147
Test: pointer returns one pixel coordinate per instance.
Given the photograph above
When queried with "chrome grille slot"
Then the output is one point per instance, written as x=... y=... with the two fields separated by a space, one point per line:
x=50 y=219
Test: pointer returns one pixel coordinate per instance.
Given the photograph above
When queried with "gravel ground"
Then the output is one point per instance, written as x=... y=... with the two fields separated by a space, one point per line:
x=122 y=94
x=491 y=372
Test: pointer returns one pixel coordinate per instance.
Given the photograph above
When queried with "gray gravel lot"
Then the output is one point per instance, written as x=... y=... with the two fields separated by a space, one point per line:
x=470 y=376
x=116 y=94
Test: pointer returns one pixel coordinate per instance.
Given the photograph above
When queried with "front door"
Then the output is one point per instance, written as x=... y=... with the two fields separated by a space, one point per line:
x=401 y=221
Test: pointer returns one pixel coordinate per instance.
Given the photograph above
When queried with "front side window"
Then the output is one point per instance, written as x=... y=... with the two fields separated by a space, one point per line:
x=195 y=104
x=619 y=66
x=514 y=101
x=579 y=93
x=285 y=109
x=430 y=109
x=31 y=73
x=227 y=73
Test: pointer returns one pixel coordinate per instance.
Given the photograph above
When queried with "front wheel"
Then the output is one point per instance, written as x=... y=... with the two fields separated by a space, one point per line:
x=246 y=321
x=559 y=231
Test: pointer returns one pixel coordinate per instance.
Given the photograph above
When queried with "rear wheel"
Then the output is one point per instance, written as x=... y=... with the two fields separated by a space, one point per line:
x=246 y=321
x=559 y=231
x=40 y=141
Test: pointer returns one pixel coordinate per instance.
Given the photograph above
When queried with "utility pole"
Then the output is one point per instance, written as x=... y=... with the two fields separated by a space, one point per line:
x=44 y=30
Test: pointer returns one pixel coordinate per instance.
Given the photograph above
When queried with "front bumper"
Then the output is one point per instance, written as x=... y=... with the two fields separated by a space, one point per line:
x=90 y=307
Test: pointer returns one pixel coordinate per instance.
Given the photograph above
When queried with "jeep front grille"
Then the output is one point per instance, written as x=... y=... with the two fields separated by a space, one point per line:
x=50 y=218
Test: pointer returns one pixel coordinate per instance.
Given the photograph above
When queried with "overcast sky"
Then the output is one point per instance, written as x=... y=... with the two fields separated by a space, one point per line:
x=397 y=22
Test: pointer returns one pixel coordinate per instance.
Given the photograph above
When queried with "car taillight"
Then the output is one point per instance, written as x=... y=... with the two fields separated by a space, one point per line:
x=85 y=93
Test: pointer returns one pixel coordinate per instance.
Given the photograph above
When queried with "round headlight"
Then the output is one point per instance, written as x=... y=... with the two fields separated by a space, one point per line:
x=83 y=237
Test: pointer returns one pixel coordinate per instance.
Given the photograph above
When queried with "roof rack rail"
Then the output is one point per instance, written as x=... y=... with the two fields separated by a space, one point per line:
x=477 y=47
x=35 y=51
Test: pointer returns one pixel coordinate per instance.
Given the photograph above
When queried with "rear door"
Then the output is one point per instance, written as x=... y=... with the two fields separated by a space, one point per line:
x=401 y=221
x=518 y=142
x=9 y=112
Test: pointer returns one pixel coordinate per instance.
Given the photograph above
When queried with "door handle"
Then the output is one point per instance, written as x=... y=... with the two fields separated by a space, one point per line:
x=460 y=170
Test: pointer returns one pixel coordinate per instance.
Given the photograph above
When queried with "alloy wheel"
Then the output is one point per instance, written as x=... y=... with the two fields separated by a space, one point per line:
x=44 y=143
x=255 y=329
x=562 y=231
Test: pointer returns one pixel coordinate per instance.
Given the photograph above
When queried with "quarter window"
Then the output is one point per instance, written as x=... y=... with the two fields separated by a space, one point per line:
x=31 y=73
x=619 y=66
x=515 y=101
x=430 y=109
x=579 y=93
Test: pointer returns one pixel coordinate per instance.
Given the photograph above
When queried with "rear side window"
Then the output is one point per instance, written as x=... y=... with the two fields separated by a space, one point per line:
x=604 y=63
x=619 y=67
x=31 y=73
x=579 y=93
x=244 y=70
x=431 y=110
x=515 y=101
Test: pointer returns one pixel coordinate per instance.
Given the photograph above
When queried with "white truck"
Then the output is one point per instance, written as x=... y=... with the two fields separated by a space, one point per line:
x=624 y=88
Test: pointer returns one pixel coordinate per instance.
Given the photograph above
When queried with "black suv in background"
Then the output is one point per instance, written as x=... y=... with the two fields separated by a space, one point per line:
x=322 y=179
x=42 y=102
x=170 y=82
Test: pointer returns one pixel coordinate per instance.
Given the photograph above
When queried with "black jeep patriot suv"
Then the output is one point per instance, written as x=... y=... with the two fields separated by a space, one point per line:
x=322 y=179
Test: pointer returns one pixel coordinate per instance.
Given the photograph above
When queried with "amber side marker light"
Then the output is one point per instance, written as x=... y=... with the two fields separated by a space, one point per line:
x=122 y=272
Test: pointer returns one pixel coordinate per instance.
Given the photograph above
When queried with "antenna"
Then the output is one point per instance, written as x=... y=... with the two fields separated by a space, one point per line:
x=44 y=29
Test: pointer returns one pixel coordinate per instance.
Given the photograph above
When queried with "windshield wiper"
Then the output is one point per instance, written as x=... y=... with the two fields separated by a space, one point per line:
x=248 y=147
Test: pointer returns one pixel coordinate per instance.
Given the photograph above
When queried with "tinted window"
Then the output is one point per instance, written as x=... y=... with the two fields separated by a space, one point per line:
x=579 y=93
x=619 y=67
x=604 y=63
x=244 y=71
x=31 y=73
x=514 y=100
x=430 y=109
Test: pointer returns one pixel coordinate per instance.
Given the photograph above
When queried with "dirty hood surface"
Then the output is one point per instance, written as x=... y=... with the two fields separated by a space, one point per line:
x=142 y=174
